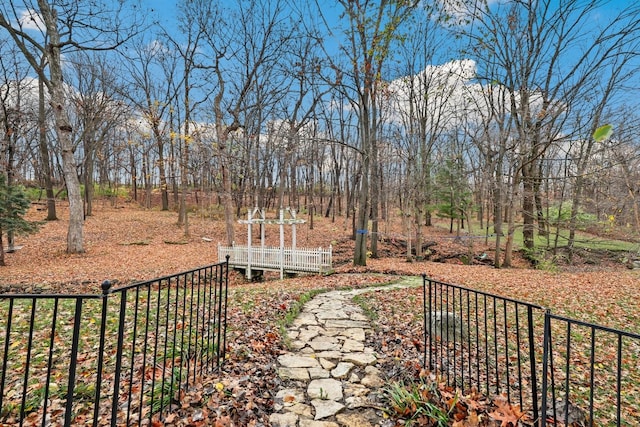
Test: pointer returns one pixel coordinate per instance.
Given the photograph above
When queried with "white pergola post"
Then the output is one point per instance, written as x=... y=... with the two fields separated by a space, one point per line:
x=293 y=230
x=281 y=222
x=249 y=227
x=262 y=228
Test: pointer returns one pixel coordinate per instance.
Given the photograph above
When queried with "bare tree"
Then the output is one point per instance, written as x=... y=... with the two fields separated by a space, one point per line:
x=63 y=27
x=242 y=57
x=96 y=112
x=370 y=30
x=155 y=99
x=547 y=54
x=426 y=101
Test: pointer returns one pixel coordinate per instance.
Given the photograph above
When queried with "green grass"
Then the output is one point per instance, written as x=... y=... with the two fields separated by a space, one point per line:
x=293 y=312
x=99 y=191
x=368 y=309
x=164 y=391
x=582 y=239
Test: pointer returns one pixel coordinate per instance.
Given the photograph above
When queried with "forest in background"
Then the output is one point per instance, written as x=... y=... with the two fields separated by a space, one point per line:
x=479 y=112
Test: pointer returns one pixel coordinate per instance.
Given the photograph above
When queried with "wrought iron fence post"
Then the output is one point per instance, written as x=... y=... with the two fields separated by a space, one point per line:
x=545 y=366
x=72 y=363
x=120 y=348
x=106 y=285
x=27 y=359
x=532 y=363
x=5 y=352
x=424 y=320
x=222 y=323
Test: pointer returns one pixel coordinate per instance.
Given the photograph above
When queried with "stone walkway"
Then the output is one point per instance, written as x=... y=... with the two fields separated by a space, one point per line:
x=331 y=376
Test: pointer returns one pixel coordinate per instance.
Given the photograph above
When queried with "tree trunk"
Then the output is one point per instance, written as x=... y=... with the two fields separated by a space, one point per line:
x=375 y=197
x=164 y=189
x=528 y=208
x=75 y=235
x=497 y=221
x=419 y=239
x=134 y=174
x=44 y=155
x=9 y=171
x=360 y=251
x=510 y=216
x=361 y=219
x=543 y=227
x=2 y=262
x=223 y=132
x=88 y=181
x=227 y=201
x=573 y=219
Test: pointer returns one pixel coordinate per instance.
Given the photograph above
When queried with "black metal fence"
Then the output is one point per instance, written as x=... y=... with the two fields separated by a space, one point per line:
x=591 y=372
x=115 y=358
x=558 y=371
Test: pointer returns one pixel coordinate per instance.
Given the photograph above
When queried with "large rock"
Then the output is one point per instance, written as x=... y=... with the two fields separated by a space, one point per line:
x=447 y=325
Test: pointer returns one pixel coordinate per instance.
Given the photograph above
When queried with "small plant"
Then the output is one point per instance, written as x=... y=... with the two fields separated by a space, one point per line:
x=294 y=310
x=415 y=400
x=323 y=394
x=13 y=207
x=163 y=392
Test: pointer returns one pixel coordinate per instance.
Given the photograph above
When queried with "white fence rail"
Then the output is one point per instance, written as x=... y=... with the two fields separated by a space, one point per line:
x=279 y=259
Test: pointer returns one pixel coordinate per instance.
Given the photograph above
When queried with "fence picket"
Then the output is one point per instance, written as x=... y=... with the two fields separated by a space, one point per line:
x=585 y=381
x=159 y=333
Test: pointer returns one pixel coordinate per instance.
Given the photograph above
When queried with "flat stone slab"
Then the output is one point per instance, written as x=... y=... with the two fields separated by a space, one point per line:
x=300 y=374
x=325 y=389
x=332 y=314
x=352 y=346
x=326 y=408
x=372 y=381
x=322 y=343
x=283 y=420
x=315 y=373
x=309 y=333
x=327 y=364
x=305 y=319
x=345 y=323
x=354 y=334
x=290 y=396
x=313 y=423
x=332 y=354
x=292 y=361
x=342 y=370
x=360 y=359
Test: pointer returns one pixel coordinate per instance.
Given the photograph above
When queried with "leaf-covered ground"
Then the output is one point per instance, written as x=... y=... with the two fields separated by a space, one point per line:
x=125 y=244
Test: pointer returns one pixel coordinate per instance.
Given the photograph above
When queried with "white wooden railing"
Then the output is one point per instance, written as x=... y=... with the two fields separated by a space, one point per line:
x=279 y=259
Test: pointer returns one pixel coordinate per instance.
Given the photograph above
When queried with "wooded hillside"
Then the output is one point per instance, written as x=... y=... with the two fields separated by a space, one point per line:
x=482 y=115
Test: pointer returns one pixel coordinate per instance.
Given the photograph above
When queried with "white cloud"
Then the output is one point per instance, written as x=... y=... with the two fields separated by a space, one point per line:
x=462 y=12
x=444 y=93
x=30 y=19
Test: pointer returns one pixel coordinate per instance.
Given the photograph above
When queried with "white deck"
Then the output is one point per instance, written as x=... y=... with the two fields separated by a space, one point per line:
x=286 y=259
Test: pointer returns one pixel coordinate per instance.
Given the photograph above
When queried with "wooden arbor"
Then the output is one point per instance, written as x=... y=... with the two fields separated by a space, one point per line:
x=289 y=259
